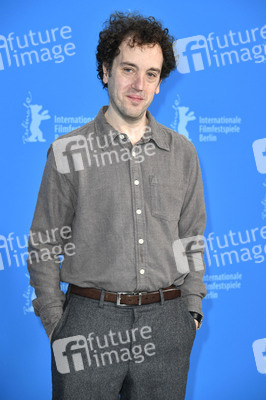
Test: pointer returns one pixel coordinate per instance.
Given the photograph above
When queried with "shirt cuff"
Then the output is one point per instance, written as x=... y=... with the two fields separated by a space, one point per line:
x=50 y=317
x=49 y=313
x=193 y=303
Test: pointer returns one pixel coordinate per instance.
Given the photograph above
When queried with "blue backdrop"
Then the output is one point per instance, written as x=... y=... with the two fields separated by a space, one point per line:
x=216 y=97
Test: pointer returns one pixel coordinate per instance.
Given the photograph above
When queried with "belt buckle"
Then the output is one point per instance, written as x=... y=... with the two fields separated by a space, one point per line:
x=118 y=297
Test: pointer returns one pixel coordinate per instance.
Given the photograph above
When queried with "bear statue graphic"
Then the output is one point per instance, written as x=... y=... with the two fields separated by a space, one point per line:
x=36 y=118
x=32 y=122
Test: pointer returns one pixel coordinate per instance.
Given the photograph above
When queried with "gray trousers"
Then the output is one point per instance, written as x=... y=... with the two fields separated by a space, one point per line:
x=101 y=350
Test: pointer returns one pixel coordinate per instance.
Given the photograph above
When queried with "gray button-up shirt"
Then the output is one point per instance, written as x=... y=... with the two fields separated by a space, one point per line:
x=117 y=212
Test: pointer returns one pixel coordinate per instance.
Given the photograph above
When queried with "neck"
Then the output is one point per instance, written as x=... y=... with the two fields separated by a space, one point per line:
x=134 y=128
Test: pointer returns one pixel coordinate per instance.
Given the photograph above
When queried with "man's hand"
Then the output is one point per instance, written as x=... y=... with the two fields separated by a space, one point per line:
x=197 y=323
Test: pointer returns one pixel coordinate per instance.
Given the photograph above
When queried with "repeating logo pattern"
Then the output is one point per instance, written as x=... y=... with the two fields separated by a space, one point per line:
x=259 y=149
x=259 y=350
x=196 y=53
x=36 y=47
x=76 y=353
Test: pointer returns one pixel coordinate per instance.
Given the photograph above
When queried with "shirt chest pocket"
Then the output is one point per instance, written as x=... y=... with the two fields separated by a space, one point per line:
x=166 y=198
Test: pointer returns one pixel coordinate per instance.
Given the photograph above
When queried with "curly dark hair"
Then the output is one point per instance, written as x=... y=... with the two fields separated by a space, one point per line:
x=142 y=31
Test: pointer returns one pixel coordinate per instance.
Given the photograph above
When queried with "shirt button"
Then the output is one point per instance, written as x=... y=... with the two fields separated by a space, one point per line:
x=138 y=211
x=136 y=182
x=141 y=241
x=142 y=271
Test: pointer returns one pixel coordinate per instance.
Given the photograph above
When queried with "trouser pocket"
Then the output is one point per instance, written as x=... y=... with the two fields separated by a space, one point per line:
x=189 y=318
x=63 y=319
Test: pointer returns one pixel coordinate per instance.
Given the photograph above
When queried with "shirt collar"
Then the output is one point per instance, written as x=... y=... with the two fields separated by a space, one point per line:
x=107 y=133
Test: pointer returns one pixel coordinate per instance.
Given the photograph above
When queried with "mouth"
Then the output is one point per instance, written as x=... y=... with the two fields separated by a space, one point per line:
x=136 y=99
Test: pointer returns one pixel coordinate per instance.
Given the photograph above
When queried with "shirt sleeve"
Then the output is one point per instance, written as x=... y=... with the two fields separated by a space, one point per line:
x=192 y=224
x=49 y=234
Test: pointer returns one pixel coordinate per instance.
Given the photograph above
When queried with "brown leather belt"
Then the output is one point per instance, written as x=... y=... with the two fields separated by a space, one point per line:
x=128 y=298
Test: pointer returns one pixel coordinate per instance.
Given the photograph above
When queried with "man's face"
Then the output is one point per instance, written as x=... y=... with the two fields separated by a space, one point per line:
x=134 y=79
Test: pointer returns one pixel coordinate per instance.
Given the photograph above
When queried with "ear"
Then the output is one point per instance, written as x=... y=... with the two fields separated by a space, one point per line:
x=105 y=74
x=158 y=87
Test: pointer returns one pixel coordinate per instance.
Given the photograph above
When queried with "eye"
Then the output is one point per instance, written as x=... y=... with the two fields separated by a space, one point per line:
x=152 y=75
x=128 y=70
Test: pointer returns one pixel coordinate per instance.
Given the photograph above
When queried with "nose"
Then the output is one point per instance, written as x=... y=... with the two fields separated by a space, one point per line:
x=138 y=82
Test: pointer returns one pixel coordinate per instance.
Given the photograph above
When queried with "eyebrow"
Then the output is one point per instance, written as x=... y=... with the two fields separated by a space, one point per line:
x=135 y=66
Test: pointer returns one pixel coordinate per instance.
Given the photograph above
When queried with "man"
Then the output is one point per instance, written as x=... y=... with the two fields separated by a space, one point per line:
x=122 y=199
